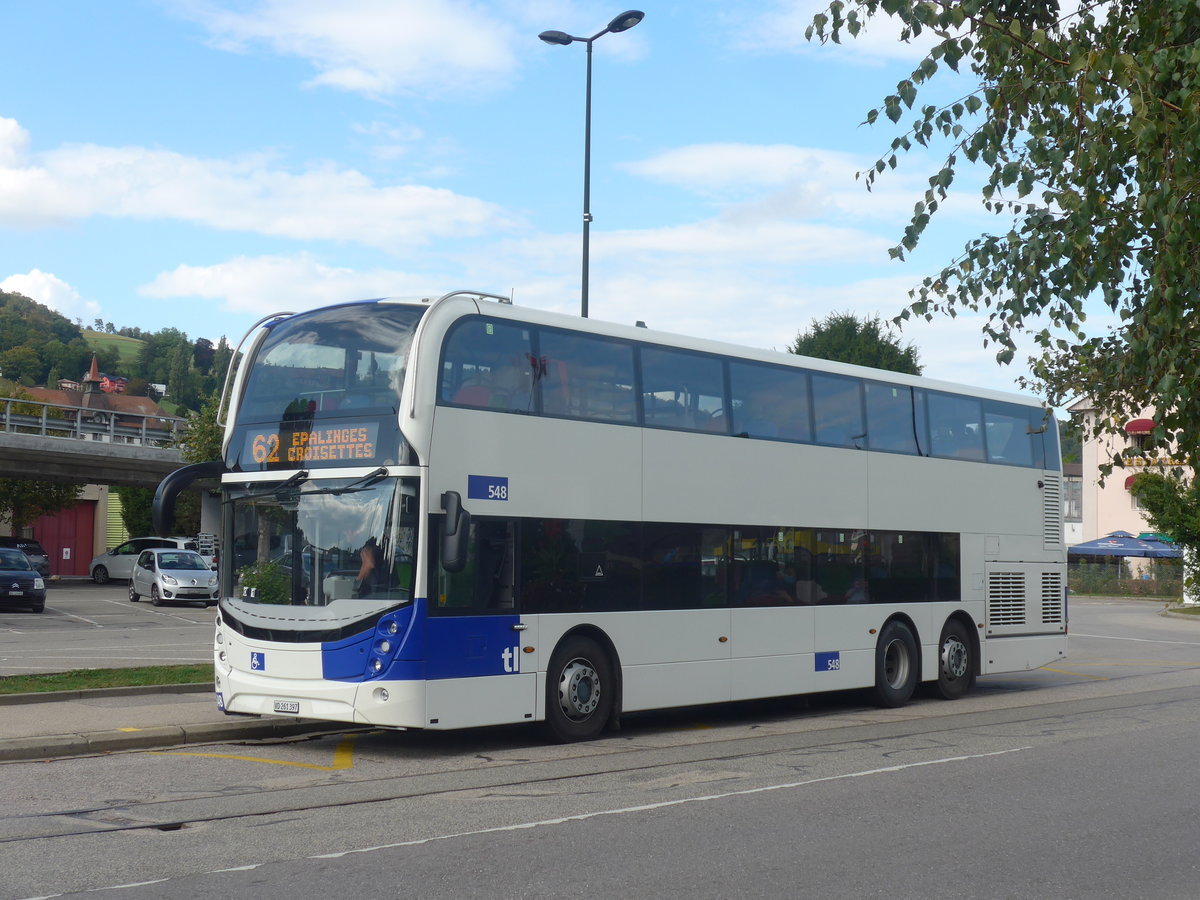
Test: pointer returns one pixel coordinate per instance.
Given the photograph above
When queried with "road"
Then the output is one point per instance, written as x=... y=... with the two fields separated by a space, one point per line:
x=1075 y=781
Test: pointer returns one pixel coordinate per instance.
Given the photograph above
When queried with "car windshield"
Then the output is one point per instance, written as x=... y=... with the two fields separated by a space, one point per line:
x=185 y=560
x=14 y=561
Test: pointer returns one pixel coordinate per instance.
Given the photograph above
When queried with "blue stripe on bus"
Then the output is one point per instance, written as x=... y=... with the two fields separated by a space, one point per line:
x=427 y=648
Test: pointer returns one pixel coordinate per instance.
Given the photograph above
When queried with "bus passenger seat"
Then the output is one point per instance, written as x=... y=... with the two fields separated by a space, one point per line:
x=473 y=395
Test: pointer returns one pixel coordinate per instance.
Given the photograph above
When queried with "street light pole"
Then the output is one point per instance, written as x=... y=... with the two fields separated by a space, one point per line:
x=623 y=22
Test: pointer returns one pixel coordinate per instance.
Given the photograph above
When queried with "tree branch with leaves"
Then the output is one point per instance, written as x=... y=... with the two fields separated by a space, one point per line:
x=1088 y=125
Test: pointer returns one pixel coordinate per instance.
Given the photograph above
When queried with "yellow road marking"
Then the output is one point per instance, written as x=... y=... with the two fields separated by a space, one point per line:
x=343 y=757
x=129 y=729
x=1076 y=674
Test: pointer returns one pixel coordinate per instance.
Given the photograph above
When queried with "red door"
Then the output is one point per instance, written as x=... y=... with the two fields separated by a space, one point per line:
x=67 y=537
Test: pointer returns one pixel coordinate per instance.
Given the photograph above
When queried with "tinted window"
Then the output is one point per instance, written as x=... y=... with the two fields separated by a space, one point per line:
x=955 y=426
x=570 y=564
x=770 y=402
x=683 y=566
x=890 y=421
x=681 y=390
x=837 y=411
x=488 y=364
x=586 y=377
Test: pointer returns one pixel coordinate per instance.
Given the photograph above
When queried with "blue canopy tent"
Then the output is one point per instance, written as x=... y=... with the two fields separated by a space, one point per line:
x=1122 y=543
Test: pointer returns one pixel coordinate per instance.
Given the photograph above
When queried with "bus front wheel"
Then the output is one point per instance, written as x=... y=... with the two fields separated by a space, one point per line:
x=896 y=666
x=579 y=691
x=956 y=662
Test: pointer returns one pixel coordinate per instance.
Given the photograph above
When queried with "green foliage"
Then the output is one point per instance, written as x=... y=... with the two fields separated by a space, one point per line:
x=1088 y=126
x=1114 y=579
x=1071 y=435
x=135 y=509
x=23 y=502
x=1172 y=506
x=844 y=338
x=202 y=440
x=37 y=346
x=269 y=580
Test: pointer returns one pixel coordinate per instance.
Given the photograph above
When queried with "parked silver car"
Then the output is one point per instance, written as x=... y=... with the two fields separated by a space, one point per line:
x=167 y=574
x=119 y=561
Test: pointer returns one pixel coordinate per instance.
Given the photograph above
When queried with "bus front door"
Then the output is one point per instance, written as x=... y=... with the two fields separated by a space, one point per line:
x=474 y=673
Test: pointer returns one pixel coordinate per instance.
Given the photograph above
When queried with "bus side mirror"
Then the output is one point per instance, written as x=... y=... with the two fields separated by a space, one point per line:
x=163 y=508
x=454 y=536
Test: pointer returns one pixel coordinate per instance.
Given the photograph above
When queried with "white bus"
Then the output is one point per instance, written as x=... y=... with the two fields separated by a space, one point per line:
x=458 y=512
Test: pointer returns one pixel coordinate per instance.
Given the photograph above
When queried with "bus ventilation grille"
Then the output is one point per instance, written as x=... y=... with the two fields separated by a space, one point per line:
x=1052 y=512
x=1052 y=598
x=1006 y=598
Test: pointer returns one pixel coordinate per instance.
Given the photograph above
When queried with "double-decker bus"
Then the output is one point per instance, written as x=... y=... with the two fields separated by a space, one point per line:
x=458 y=512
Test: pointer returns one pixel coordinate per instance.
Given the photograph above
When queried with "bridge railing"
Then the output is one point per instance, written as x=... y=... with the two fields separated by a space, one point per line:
x=20 y=416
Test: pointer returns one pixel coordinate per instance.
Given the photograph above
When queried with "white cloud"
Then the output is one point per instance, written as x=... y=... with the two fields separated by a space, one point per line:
x=50 y=290
x=322 y=202
x=781 y=26
x=374 y=47
x=267 y=284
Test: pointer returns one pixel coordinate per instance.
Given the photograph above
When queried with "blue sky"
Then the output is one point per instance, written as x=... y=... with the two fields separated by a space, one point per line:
x=197 y=164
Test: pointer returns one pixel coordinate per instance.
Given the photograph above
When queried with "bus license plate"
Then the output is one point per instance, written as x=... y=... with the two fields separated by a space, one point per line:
x=287 y=706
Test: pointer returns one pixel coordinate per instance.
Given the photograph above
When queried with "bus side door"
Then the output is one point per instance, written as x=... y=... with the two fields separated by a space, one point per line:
x=474 y=674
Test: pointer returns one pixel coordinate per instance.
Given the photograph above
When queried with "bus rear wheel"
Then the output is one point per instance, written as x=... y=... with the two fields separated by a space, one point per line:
x=956 y=661
x=579 y=691
x=897 y=670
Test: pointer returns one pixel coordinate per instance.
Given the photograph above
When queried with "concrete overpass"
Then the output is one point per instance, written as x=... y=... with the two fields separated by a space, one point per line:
x=49 y=442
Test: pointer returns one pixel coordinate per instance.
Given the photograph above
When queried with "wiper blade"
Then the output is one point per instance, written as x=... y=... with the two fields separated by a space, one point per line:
x=277 y=489
x=361 y=484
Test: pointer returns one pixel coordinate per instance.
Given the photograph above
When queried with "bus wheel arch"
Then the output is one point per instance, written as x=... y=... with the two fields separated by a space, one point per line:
x=583 y=686
x=958 y=657
x=897 y=662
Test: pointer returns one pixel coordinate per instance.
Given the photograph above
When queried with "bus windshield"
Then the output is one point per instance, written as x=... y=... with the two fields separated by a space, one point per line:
x=324 y=390
x=335 y=551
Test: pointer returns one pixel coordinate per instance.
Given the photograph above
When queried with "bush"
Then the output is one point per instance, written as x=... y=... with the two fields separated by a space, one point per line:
x=1163 y=578
x=269 y=582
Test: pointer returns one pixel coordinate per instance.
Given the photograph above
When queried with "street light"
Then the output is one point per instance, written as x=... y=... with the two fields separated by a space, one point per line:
x=623 y=22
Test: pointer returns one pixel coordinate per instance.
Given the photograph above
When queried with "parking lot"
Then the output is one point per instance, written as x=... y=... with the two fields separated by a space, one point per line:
x=86 y=625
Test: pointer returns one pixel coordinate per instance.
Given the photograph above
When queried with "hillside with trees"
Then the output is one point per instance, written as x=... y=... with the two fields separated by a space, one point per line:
x=38 y=346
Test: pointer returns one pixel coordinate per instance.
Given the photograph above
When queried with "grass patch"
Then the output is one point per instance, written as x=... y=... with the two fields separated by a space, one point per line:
x=83 y=679
x=127 y=347
x=1186 y=610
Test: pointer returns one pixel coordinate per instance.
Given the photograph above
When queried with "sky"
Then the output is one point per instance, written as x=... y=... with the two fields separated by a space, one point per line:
x=199 y=164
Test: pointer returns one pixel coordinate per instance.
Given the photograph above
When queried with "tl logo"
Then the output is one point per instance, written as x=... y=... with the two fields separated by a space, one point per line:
x=512 y=659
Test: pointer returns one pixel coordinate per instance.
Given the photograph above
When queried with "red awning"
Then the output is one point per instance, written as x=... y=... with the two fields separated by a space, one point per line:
x=1139 y=426
x=1129 y=482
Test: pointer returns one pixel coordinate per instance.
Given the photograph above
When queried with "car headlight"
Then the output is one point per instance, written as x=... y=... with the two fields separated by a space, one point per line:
x=38 y=584
x=168 y=579
x=212 y=582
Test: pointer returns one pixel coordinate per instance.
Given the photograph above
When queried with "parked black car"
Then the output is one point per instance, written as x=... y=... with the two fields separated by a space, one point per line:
x=31 y=548
x=20 y=583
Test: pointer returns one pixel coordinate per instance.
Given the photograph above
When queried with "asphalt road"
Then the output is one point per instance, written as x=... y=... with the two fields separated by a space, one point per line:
x=1074 y=781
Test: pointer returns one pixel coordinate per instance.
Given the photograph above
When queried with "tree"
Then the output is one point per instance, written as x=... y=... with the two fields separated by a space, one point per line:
x=202 y=354
x=1172 y=506
x=1089 y=128
x=23 y=502
x=842 y=337
x=135 y=508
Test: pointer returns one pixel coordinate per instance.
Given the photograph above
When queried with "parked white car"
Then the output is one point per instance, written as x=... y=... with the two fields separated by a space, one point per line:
x=118 y=562
x=167 y=574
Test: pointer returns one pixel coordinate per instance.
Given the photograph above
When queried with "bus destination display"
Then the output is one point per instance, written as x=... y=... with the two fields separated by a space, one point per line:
x=340 y=444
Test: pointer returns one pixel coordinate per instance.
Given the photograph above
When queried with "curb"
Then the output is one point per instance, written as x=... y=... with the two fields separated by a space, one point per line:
x=56 y=746
x=84 y=693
